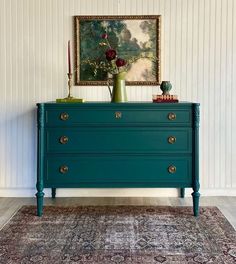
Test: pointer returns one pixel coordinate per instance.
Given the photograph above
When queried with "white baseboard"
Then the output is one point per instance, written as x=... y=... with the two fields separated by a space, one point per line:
x=116 y=192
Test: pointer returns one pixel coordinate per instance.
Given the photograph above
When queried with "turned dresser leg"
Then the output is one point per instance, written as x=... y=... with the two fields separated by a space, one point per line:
x=39 y=195
x=182 y=192
x=40 y=159
x=196 y=184
x=196 y=196
x=53 y=193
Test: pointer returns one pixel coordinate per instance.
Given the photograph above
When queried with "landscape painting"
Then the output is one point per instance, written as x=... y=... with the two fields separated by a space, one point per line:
x=136 y=39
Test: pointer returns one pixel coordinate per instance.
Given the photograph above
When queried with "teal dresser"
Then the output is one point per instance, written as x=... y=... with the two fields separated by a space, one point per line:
x=118 y=145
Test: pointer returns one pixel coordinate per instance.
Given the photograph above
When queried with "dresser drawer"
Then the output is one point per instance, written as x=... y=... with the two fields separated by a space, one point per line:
x=118 y=140
x=136 y=171
x=117 y=116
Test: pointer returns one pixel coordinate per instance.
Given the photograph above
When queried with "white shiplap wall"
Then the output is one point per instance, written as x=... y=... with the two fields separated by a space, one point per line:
x=198 y=57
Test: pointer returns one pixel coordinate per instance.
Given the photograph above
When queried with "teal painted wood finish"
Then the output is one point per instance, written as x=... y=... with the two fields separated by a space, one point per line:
x=40 y=159
x=118 y=145
x=110 y=116
x=112 y=169
x=196 y=184
x=182 y=192
x=53 y=193
x=108 y=140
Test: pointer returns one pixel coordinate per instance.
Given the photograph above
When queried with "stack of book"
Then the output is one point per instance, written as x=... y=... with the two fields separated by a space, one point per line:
x=165 y=98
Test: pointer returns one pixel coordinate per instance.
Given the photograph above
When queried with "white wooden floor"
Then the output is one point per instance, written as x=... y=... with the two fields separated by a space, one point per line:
x=227 y=205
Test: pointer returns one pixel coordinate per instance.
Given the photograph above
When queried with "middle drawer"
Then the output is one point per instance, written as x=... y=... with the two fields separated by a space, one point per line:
x=118 y=140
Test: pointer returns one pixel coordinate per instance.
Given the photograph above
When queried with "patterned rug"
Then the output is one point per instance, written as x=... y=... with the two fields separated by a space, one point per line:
x=119 y=235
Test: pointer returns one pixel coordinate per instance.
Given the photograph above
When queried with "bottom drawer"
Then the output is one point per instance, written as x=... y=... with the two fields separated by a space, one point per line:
x=118 y=171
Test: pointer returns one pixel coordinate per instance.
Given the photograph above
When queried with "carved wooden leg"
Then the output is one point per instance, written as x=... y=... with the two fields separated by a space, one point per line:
x=40 y=159
x=196 y=196
x=39 y=195
x=53 y=193
x=182 y=192
x=196 y=185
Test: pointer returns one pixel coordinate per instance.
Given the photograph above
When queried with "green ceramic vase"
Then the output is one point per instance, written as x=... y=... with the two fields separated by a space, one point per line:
x=165 y=87
x=119 y=94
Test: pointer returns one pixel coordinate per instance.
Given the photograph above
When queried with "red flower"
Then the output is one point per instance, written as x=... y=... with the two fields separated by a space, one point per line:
x=104 y=36
x=120 y=62
x=110 y=54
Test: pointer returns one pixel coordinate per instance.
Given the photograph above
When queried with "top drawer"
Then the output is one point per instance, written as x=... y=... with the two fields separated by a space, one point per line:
x=74 y=117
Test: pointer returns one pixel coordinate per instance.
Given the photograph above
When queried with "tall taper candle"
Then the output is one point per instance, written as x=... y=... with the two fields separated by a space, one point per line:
x=69 y=62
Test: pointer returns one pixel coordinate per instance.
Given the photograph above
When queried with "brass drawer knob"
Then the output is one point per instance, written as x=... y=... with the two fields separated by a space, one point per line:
x=118 y=115
x=171 y=116
x=172 y=169
x=64 y=116
x=64 y=139
x=64 y=169
x=171 y=139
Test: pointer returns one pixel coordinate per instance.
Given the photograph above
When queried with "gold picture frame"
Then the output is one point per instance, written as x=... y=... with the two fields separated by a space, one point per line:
x=135 y=34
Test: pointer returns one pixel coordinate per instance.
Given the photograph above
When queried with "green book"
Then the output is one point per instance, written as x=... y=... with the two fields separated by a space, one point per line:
x=69 y=100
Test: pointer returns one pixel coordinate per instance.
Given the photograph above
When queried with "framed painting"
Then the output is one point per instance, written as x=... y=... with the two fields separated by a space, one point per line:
x=133 y=39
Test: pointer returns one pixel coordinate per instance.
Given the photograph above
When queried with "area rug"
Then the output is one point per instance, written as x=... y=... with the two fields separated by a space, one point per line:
x=119 y=235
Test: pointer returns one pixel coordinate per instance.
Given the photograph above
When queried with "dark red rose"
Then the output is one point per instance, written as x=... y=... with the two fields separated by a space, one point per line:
x=120 y=62
x=110 y=54
x=104 y=36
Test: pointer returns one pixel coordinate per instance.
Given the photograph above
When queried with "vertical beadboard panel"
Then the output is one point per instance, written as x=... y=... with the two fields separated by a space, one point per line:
x=3 y=93
x=19 y=92
x=216 y=103
x=183 y=49
x=201 y=83
x=198 y=56
x=172 y=44
x=211 y=91
x=177 y=48
x=222 y=78
x=189 y=48
x=232 y=68
x=8 y=134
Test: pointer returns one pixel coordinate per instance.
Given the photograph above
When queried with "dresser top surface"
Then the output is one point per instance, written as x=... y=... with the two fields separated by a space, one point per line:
x=128 y=104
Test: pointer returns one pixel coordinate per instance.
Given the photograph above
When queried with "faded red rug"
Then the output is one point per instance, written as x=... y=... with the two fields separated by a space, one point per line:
x=119 y=235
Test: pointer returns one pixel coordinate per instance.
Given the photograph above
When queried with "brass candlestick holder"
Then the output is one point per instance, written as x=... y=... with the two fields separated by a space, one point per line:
x=69 y=98
x=69 y=86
